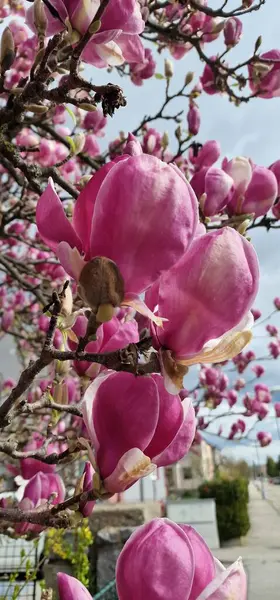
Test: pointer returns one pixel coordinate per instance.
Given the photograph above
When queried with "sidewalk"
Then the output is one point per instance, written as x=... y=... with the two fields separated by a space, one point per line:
x=260 y=550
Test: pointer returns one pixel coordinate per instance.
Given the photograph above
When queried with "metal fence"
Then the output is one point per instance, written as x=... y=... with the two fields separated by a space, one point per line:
x=17 y=556
x=109 y=592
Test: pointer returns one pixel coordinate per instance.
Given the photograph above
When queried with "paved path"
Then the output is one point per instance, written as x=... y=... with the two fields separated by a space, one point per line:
x=260 y=550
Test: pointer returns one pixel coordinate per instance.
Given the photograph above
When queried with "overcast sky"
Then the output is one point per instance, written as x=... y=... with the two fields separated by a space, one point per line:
x=251 y=130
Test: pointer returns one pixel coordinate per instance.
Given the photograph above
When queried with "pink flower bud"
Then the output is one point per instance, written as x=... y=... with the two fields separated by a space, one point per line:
x=232 y=397
x=277 y=303
x=275 y=168
x=256 y=313
x=264 y=437
x=8 y=319
x=182 y=563
x=213 y=188
x=207 y=155
x=207 y=79
x=274 y=349
x=255 y=189
x=259 y=370
x=86 y=508
x=232 y=31
x=276 y=209
x=193 y=118
x=264 y=75
x=277 y=409
x=272 y=330
x=70 y=588
x=146 y=428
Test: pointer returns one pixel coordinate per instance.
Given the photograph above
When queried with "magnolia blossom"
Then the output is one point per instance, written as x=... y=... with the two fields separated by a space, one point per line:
x=255 y=188
x=126 y=213
x=258 y=370
x=216 y=282
x=277 y=409
x=163 y=561
x=86 y=485
x=213 y=188
x=109 y=337
x=207 y=155
x=135 y=426
x=207 y=79
x=117 y=39
x=232 y=31
x=256 y=313
x=193 y=119
x=69 y=588
x=265 y=438
x=42 y=488
x=264 y=76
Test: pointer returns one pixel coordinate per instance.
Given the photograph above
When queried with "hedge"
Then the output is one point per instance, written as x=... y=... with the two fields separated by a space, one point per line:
x=232 y=499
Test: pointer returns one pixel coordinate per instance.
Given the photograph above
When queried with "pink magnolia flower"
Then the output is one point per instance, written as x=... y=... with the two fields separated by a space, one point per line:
x=276 y=302
x=193 y=119
x=135 y=426
x=91 y=146
x=264 y=437
x=264 y=74
x=208 y=315
x=255 y=187
x=276 y=209
x=239 y=384
x=232 y=31
x=262 y=392
x=30 y=466
x=232 y=397
x=106 y=223
x=259 y=370
x=272 y=330
x=277 y=409
x=96 y=122
x=256 y=313
x=144 y=69
x=152 y=142
x=274 y=349
x=207 y=155
x=69 y=588
x=177 y=563
x=86 y=485
x=110 y=336
x=117 y=39
x=213 y=188
x=259 y=408
x=275 y=168
x=207 y=79
x=40 y=489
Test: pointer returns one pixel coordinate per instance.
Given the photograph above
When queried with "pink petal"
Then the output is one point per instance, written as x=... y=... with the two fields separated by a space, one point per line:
x=132 y=48
x=171 y=417
x=125 y=333
x=70 y=259
x=120 y=12
x=205 y=569
x=182 y=442
x=142 y=203
x=231 y=583
x=199 y=298
x=70 y=588
x=84 y=205
x=261 y=192
x=122 y=413
x=52 y=223
x=133 y=465
x=157 y=563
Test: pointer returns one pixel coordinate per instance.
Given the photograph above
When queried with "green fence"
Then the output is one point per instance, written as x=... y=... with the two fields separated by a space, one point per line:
x=109 y=592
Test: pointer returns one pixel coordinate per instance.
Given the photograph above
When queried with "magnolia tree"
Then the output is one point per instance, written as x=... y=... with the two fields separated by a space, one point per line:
x=121 y=269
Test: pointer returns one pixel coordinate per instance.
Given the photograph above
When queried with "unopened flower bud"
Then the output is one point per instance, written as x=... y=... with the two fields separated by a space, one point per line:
x=67 y=302
x=79 y=142
x=189 y=78
x=88 y=107
x=101 y=284
x=7 y=53
x=165 y=140
x=40 y=18
x=38 y=109
x=62 y=367
x=168 y=68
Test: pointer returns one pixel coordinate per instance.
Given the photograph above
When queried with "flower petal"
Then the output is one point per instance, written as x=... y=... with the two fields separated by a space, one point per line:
x=133 y=465
x=132 y=228
x=230 y=584
x=52 y=223
x=182 y=442
x=205 y=569
x=156 y=563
